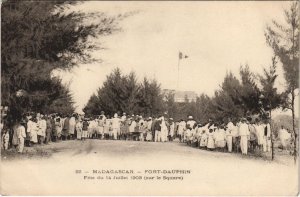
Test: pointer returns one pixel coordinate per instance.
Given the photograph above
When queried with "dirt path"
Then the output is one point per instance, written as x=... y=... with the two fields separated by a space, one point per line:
x=52 y=170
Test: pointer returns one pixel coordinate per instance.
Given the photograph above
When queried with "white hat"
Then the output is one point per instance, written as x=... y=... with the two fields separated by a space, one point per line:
x=190 y=117
x=116 y=115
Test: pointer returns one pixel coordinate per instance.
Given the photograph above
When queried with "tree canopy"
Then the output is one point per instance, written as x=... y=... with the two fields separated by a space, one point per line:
x=123 y=93
x=37 y=38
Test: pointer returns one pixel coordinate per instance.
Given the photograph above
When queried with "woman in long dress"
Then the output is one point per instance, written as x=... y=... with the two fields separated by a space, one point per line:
x=78 y=128
x=33 y=132
x=15 y=139
x=203 y=139
x=220 y=138
x=210 y=140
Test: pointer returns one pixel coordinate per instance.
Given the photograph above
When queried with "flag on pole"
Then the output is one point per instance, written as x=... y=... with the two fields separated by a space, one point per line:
x=182 y=56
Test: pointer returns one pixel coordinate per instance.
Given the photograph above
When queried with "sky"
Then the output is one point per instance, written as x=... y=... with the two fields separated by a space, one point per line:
x=217 y=37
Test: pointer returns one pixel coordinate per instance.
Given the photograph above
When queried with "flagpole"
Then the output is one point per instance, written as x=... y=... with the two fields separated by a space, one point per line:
x=178 y=74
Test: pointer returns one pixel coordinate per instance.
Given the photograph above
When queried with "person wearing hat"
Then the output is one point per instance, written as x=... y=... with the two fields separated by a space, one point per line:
x=189 y=125
x=244 y=134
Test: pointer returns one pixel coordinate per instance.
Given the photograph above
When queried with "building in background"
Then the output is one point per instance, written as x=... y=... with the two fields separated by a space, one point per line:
x=180 y=96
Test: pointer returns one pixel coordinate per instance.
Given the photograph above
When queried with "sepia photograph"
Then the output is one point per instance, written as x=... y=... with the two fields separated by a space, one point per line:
x=149 y=98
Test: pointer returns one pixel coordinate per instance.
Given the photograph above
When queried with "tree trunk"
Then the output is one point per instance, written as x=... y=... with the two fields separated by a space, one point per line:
x=293 y=97
x=272 y=142
x=294 y=130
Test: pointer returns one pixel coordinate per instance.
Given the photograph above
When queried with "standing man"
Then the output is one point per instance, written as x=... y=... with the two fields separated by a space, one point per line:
x=172 y=129
x=85 y=126
x=21 y=136
x=259 y=129
x=267 y=136
x=244 y=134
x=189 y=127
x=181 y=129
x=72 y=123
x=253 y=138
x=48 y=129
x=101 y=126
x=149 y=131
x=42 y=126
x=157 y=130
x=164 y=130
x=65 y=130
x=78 y=128
x=115 y=126
x=228 y=134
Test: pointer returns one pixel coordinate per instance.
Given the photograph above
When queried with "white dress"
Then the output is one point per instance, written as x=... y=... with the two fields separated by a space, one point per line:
x=33 y=132
x=210 y=140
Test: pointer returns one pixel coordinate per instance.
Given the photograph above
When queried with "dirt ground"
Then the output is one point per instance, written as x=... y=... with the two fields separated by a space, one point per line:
x=66 y=168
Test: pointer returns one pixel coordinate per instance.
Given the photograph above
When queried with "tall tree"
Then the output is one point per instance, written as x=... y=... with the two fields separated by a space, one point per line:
x=249 y=92
x=170 y=104
x=37 y=38
x=123 y=93
x=131 y=94
x=284 y=40
x=150 y=98
x=271 y=99
x=92 y=107
x=204 y=111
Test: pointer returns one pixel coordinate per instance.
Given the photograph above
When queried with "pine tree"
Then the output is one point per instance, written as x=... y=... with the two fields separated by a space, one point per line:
x=284 y=40
x=38 y=38
x=249 y=92
x=270 y=99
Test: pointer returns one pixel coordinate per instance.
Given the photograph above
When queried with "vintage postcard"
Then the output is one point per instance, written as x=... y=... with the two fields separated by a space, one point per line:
x=149 y=98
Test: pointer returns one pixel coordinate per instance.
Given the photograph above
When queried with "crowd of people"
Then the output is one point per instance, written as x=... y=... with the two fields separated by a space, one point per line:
x=244 y=135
